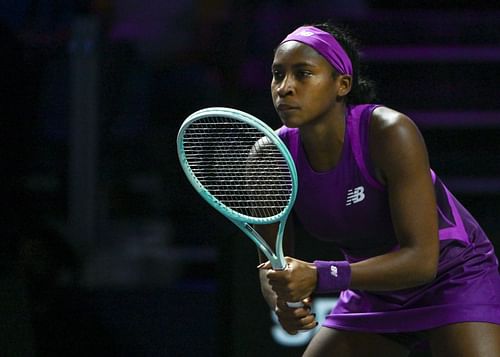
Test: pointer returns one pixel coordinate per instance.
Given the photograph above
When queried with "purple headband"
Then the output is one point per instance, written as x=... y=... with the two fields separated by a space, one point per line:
x=325 y=44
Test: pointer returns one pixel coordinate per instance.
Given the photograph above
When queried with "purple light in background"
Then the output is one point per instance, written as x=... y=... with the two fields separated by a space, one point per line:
x=464 y=119
x=472 y=185
x=432 y=53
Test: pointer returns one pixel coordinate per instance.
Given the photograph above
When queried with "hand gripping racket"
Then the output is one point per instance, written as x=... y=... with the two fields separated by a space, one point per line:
x=242 y=168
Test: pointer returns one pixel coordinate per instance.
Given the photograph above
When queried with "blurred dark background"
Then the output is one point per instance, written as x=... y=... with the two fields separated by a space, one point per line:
x=106 y=250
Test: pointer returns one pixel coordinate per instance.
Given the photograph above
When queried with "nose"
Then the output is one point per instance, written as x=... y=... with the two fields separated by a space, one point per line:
x=285 y=87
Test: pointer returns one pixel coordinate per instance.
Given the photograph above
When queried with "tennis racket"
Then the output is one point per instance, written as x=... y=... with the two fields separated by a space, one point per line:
x=240 y=166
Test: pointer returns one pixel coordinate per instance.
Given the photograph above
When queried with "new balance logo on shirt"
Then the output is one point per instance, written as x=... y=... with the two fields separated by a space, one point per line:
x=355 y=195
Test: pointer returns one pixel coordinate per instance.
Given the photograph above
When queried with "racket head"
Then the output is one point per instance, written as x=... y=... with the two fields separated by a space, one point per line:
x=193 y=143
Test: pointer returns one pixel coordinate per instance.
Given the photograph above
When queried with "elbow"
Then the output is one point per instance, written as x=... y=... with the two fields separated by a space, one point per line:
x=422 y=263
x=427 y=271
x=421 y=267
x=428 y=275
x=421 y=276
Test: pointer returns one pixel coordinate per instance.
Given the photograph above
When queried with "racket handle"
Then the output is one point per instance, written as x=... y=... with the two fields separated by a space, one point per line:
x=295 y=304
x=292 y=304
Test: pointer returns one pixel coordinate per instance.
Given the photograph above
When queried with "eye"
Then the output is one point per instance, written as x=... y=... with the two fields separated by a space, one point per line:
x=303 y=74
x=277 y=74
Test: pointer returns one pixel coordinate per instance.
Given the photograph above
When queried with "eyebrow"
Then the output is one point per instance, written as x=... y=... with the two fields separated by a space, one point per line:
x=296 y=65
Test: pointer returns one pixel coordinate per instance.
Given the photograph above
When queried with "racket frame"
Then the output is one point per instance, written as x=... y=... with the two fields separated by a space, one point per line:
x=244 y=222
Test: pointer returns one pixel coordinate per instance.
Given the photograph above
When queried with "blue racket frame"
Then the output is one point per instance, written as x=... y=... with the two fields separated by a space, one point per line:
x=244 y=222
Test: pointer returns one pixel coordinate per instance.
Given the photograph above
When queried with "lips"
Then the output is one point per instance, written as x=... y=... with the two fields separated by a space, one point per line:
x=286 y=107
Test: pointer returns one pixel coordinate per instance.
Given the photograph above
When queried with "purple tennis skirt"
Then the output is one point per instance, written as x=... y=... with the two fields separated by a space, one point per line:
x=467 y=288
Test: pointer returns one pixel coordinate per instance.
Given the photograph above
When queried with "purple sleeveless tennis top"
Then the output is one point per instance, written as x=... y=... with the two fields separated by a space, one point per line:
x=349 y=207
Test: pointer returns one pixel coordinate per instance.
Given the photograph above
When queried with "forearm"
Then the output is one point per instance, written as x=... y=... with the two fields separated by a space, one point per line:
x=404 y=268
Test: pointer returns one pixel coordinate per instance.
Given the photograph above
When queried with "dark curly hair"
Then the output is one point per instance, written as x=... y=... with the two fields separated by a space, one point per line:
x=363 y=89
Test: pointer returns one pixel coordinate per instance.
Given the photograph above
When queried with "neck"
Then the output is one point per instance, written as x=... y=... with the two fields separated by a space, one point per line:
x=323 y=141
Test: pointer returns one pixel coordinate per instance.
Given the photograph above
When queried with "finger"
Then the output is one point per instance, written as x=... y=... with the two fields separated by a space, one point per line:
x=308 y=319
x=306 y=323
x=282 y=305
x=293 y=324
x=277 y=275
x=275 y=281
x=282 y=294
x=265 y=265
x=301 y=311
x=285 y=293
x=294 y=320
x=290 y=331
x=290 y=323
x=310 y=326
x=290 y=326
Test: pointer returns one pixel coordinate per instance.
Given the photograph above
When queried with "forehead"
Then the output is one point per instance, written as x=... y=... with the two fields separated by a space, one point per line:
x=294 y=52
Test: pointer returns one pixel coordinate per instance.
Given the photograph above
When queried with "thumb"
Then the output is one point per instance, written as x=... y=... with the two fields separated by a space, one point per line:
x=265 y=265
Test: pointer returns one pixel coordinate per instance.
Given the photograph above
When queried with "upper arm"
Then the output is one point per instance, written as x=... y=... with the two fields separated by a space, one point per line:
x=400 y=157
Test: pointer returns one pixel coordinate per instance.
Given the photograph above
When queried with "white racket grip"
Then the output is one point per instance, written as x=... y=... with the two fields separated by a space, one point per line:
x=295 y=305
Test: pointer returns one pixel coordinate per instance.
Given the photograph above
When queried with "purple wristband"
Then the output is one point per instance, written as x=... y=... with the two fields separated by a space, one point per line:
x=332 y=276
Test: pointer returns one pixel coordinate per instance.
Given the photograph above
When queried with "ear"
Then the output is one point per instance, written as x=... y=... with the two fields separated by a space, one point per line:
x=345 y=85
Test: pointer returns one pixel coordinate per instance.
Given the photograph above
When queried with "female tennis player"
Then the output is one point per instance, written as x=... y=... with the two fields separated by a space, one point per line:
x=418 y=268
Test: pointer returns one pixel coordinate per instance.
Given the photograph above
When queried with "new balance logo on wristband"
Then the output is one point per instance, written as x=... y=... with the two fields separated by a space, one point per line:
x=355 y=195
x=333 y=276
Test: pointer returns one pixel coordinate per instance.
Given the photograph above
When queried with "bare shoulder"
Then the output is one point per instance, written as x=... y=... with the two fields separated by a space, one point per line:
x=395 y=139
x=385 y=120
x=389 y=126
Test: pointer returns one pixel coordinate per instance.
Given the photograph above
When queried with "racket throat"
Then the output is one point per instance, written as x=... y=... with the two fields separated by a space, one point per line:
x=277 y=260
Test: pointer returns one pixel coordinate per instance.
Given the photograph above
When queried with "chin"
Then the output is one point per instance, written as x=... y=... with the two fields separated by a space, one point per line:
x=290 y=121
x=290 y=125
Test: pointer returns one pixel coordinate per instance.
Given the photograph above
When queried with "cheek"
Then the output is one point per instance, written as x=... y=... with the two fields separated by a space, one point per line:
x=274 y=94
x=325 y=94
x=317 y=93
x=320 y=101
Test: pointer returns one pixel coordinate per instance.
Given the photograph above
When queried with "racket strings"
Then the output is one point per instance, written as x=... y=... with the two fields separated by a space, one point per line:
x=239 y=166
